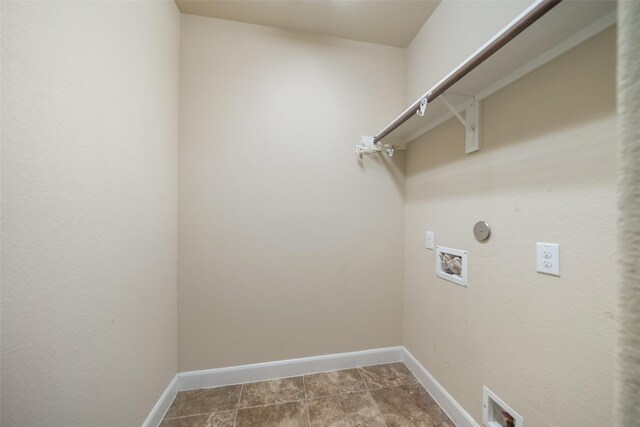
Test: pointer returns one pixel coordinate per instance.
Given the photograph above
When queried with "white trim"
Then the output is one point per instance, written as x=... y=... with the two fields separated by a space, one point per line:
x=305 y=366
x=449 y=405
x=287 y=368
x=162 y=405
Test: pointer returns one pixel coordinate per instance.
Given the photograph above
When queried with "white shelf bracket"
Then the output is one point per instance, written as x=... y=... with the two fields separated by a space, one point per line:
x=472 y=138
x=471 y=122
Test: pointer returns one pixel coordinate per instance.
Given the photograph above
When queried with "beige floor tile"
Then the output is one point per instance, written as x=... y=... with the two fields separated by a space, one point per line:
x=274 y=391
x=372 y=396
x=348 y=410
x=292 y=414
x=388 y=375
x=333 y=383
x=217 y=419
x=203 y=401
x=409 y=406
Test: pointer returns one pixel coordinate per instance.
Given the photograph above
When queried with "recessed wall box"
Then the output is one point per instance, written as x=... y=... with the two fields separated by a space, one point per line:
x=451 y=265
x=496 y=413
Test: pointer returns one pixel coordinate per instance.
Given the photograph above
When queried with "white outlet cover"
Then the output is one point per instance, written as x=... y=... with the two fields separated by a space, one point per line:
x=429 y=237
x=548 y=258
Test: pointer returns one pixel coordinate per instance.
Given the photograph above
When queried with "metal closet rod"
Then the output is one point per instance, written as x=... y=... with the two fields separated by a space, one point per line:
x=508 y=34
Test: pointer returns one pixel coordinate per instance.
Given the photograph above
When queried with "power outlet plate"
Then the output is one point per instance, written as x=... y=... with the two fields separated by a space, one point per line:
x=429 y=240
x=548 y=258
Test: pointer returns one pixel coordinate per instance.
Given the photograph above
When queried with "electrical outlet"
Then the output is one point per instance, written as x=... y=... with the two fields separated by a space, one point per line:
x=429 y=240
x=548 y=258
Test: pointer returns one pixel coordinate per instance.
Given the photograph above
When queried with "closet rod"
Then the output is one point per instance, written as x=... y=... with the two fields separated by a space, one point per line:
x=535 y=12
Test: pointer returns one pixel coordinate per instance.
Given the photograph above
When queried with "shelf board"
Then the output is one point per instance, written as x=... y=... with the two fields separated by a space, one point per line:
x=562 y=28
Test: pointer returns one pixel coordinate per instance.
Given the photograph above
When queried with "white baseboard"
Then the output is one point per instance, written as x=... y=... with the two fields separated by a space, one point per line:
x=304 y=366
x=287 y=368
x=162 y=405
x=453 y=409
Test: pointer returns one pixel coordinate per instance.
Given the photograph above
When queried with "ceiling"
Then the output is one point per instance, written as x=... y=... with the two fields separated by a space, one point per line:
x=387 y=22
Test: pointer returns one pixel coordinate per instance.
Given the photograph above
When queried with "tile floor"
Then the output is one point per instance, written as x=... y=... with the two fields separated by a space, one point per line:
x=371 y=396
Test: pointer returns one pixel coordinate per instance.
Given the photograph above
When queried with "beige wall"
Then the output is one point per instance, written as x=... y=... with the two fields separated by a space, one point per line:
x=452 y=33
x=546 y=173
x=288 y=245
x=89 y=180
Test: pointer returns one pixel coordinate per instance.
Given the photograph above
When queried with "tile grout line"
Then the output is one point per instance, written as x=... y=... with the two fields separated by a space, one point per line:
x=304 y=388
x=272 y=404
x=384 y=422
x=306 y=401
x=338 y=395
x=195 y=415
x=362 y=378
x=235 y=417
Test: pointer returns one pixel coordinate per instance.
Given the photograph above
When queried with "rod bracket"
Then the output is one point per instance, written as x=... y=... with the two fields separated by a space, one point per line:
x=368 y=147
